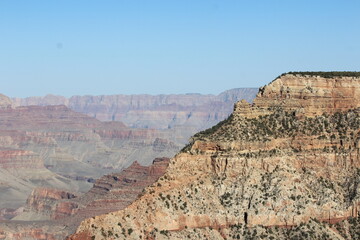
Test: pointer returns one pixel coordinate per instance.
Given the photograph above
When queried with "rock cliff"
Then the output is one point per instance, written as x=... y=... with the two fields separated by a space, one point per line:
x=283 y=167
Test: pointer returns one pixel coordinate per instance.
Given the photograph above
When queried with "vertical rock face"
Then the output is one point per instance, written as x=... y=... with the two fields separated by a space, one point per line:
x=290 y=156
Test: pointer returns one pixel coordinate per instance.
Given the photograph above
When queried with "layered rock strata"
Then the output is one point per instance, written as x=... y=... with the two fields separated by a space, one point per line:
x=193 y=112
x=291 y=159
x=116 y=191
x=308 y=95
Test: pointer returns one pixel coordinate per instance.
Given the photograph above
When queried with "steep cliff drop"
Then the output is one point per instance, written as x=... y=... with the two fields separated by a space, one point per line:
x=280 y=168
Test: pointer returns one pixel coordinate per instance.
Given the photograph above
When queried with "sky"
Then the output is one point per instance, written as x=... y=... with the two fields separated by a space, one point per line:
x=67 y=47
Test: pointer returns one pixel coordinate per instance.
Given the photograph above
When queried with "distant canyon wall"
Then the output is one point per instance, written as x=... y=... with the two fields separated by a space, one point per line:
x=195 y=111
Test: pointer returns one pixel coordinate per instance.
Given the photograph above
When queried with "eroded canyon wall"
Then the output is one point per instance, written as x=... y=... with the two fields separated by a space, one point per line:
x=191 y=112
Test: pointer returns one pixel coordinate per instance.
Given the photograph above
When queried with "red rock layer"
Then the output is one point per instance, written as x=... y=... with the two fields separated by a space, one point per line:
x=17 y=159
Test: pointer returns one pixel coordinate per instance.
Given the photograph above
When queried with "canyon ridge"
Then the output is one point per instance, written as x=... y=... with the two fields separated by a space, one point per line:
x=284 y=167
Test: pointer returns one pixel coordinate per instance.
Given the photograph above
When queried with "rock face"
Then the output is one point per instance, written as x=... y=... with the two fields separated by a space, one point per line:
x=290 y=159
x=61 y=211
x=309 y=95
x=193 y=112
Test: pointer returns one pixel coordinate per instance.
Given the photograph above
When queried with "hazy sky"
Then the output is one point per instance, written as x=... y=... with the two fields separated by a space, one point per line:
x=75 y=47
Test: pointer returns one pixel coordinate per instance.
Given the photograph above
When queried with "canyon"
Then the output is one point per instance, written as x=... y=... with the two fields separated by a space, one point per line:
x=53 y=146
x=286 y=166
x=51 y=155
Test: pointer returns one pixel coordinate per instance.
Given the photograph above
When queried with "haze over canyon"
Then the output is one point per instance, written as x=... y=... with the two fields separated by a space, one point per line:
x=51 y=155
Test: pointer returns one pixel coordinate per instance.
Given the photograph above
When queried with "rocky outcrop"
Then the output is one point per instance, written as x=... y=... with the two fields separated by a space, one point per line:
x=282 y=161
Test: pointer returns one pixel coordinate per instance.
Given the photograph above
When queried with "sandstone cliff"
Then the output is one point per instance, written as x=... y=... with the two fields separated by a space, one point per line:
x=289 y=160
